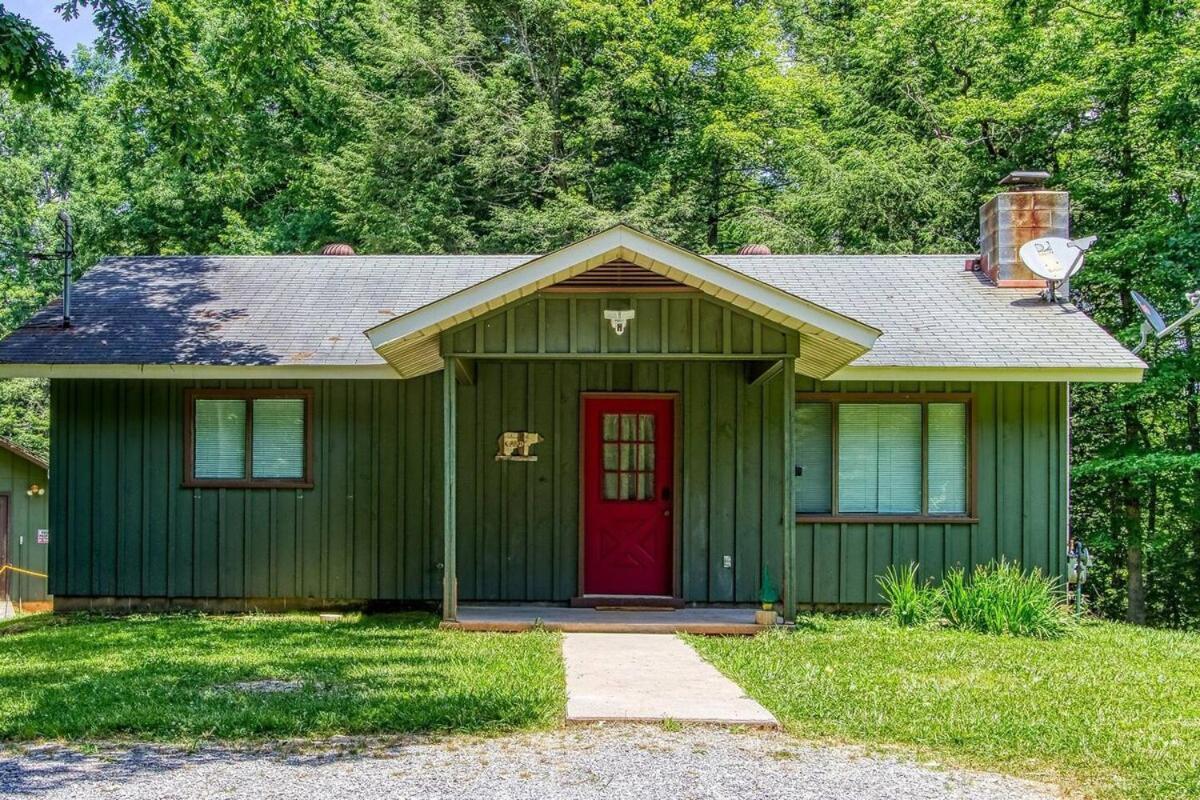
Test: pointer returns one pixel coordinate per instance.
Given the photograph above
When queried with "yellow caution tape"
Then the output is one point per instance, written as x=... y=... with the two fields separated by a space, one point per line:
x=11 y=568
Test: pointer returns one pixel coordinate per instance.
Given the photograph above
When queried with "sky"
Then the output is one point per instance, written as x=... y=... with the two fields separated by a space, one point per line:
x=65 y=34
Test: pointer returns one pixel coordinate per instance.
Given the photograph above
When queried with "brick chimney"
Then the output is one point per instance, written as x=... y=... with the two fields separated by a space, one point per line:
x=1024 y=210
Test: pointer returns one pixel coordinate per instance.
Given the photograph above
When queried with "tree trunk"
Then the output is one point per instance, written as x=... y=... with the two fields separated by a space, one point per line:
x=1134 y=586
x=713 y=221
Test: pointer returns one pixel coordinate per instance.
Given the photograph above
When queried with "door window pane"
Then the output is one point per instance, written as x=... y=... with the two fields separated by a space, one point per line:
x=609 y=424
x=646 y=427
x=628 y=456
x=610 y=456
x=220 y=439
x=879 y=455
x=947 y=458
x=278 y=438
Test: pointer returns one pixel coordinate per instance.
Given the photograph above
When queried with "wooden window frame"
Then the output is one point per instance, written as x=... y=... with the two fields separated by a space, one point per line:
x=834 y=399
x=190 y=396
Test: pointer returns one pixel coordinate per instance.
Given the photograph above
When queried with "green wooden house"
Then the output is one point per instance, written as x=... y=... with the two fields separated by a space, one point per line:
x=620 y=420
x=24 y=531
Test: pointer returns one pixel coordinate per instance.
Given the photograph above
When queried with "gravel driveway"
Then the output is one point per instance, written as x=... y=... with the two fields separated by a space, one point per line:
x=611 y=761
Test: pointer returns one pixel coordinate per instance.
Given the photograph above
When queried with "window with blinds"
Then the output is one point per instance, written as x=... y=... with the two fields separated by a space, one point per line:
x=947 y=458
x=814 y=458
x=885 y=459
x=220 y=439
x=248 y=438
x=278 y=441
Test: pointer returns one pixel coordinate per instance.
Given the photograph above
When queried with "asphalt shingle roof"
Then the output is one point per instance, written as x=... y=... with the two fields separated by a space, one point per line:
x=312 y=310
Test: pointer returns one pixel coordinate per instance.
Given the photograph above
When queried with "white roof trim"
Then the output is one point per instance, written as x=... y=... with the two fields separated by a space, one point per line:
x=998 y=374
x=386 y=372
x=402 y=333
x=268 y=371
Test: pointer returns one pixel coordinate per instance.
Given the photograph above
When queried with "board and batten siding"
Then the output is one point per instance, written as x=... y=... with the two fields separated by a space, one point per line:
x=370 y=528
x=518 y=523
x=671 y=325
x=1020 y=458
x=123 y=525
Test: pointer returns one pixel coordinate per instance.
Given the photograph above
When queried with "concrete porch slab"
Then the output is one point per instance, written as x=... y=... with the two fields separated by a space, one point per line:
x=710 y=621
x=649 y=678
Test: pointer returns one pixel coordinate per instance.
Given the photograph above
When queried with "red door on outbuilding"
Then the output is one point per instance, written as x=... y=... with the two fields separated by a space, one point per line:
x=628 y=495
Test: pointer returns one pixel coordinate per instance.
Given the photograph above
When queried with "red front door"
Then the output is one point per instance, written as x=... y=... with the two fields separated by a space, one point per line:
x=629 y=474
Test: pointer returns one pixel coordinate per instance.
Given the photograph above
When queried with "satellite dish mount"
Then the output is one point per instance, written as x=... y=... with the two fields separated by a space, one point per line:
x=1154 y=322
x=1055 y=260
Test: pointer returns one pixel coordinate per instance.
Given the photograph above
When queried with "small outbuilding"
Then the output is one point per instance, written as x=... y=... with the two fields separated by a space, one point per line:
x=24 y=527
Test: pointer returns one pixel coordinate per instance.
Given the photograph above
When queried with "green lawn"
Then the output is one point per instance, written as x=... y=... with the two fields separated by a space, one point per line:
x=167 y=677
x=1111 y=709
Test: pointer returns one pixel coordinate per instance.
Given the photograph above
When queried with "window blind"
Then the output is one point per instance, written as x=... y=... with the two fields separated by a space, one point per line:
x=947 y=458
x=278 y=438
x=220 y=439
x=813 y=453
x=879 y=455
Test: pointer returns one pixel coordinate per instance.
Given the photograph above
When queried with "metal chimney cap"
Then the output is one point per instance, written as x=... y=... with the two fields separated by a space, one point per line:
x=754 y=250
x=1025 y=179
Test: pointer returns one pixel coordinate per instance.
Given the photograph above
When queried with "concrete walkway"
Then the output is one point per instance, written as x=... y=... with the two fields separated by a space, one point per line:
x=650 y=677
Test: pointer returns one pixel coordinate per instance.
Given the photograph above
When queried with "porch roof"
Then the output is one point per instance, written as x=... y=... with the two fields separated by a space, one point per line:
x=297 y=316
x=829 y=340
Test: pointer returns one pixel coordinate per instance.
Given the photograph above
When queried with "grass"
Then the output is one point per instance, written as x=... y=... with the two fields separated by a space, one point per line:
x=1111 y=709
x=167 y=678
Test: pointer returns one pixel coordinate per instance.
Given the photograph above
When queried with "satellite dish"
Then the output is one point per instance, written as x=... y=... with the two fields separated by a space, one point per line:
x=1054 y=259
x=1155 y=323
x=1149 y=312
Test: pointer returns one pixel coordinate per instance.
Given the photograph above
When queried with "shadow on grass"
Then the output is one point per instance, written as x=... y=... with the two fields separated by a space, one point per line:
x=172 y=678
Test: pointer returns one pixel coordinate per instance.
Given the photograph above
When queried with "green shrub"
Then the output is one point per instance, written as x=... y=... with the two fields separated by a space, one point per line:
x=909 y=602
x=997 y=599
x=1001 y=599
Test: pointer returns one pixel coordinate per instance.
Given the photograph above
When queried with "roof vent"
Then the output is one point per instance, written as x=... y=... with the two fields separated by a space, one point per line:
x=337 y=249
x=754 y=250
x=1024 y=180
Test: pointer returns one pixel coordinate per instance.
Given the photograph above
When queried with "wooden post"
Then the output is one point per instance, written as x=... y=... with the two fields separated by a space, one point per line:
x=788 y=375
x=449 y=514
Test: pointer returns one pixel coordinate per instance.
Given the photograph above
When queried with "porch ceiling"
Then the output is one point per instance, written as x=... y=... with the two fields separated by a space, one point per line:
x=410 y=343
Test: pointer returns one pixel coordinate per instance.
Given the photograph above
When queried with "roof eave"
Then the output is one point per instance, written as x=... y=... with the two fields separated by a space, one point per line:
x=1069 y=374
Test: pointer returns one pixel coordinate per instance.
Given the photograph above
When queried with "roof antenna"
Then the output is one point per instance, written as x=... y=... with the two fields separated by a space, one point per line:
x=68 y=256
x=1154 y=322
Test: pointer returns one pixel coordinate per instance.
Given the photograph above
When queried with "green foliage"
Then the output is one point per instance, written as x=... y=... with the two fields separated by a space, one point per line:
x=29 y=64
x=997 y=599
x=174 y=678
x=1108 y=712
x=909 y=603
x=25 y=413
x=1001 y=599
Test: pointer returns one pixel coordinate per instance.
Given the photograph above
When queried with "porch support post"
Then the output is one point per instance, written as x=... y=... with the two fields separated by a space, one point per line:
x=449 y=514
x=788 y=373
